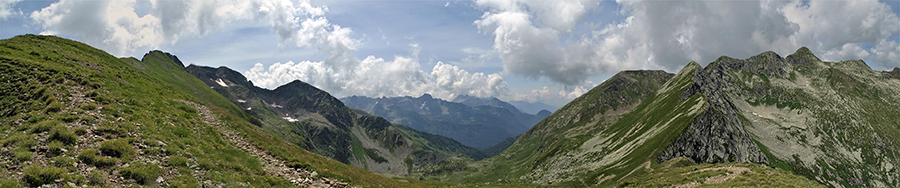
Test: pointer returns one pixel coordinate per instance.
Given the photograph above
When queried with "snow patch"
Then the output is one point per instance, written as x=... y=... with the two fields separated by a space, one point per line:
x=249 y=108
x=290 y=119
x=277 y=106
x=221 y=83
x=241 y=101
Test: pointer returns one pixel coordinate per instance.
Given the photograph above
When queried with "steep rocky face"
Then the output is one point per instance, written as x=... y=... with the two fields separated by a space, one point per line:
x=717 y=135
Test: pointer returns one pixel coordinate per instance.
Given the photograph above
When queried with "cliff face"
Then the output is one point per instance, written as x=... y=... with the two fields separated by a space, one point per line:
x=717 y=135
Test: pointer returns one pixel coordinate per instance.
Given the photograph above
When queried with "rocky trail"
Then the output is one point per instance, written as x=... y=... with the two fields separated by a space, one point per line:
x=734 y=173
x=271 y=164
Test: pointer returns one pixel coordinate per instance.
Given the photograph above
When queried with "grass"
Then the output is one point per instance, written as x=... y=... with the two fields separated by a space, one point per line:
x=62 y=134
x=41 y=69
x=535 y=149
x=120 y=148
x=89 y=156
x=756 y=176
x=142 y=173
x=36 y=175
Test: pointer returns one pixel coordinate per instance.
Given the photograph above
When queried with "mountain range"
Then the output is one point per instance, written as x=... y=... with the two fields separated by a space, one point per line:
x=318 y=122
x=73 y=115
x=475 y=122
x=832 y=122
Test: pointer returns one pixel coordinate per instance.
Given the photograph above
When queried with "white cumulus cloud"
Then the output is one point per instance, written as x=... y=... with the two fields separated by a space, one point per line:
x=376 y=77
x=668 y=34
x=115 y=27
x=6 y=8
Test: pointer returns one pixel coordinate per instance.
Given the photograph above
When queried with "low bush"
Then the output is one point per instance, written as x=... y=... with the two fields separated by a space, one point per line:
x=117 y=148
x=62 y=134
x=89 y=156
x=143 y=173
x=39 y=175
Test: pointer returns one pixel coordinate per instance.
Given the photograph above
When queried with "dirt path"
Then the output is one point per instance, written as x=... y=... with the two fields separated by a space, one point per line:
x=271 y=164
x=735 y=172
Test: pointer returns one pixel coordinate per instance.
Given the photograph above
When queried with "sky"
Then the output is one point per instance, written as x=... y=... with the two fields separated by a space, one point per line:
x=547 y=51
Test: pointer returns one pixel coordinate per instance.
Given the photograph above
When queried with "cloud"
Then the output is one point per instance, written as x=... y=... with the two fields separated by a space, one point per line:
x=547 y=93
x=6 y=8
x=679 y=32
x=668 y=34
x=376 y=77
x=115 y=27
x=526 y=37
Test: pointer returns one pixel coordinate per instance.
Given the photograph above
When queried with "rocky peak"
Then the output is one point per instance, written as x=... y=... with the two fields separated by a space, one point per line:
x=716 y=135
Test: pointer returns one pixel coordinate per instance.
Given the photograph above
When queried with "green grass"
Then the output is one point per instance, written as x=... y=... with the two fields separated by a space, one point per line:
x=41 y=70
x=756 y=176
x=36 y=175
x=120 y=148
x=142 y=173
x=62 y=134
x=533 y=149
x=89 y=156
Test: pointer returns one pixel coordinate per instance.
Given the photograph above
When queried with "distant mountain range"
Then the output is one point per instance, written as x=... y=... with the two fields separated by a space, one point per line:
x=533 y=107
x=318 y=122
x=475 y=122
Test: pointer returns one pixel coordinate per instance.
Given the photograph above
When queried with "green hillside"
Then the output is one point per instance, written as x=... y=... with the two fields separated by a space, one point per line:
x=74 y=115
x=832 y=122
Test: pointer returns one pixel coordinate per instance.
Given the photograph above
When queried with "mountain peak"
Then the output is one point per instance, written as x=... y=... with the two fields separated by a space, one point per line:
x=805 y=53
x=426 y=96
x=163 y=56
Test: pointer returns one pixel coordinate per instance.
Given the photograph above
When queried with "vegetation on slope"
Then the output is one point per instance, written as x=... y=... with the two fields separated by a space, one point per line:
x=129 y=122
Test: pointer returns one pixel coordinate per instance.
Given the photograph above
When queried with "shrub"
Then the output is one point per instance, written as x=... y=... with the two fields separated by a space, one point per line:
x=177 y=161
x=40 y=175
x=89 y=156
x=96 y=178
x=80 y=131
x=88 y=106
x=63 y=162
x=110 y=130
x=10 y=183
x=22 y=155
x=91 y=94
x=44 y=126
x=143 y=173
x=62 y=134
x=117 y=148
x=9 y=141
x=68 y=118
x=55 y=106
x=187 y=109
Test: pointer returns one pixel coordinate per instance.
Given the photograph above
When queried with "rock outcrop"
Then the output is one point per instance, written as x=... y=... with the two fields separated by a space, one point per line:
x=717 y=135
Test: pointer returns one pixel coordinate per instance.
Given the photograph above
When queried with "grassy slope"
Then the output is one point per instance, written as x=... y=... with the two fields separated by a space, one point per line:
x=839 y=119
x=42 y=70
x=681 y=171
